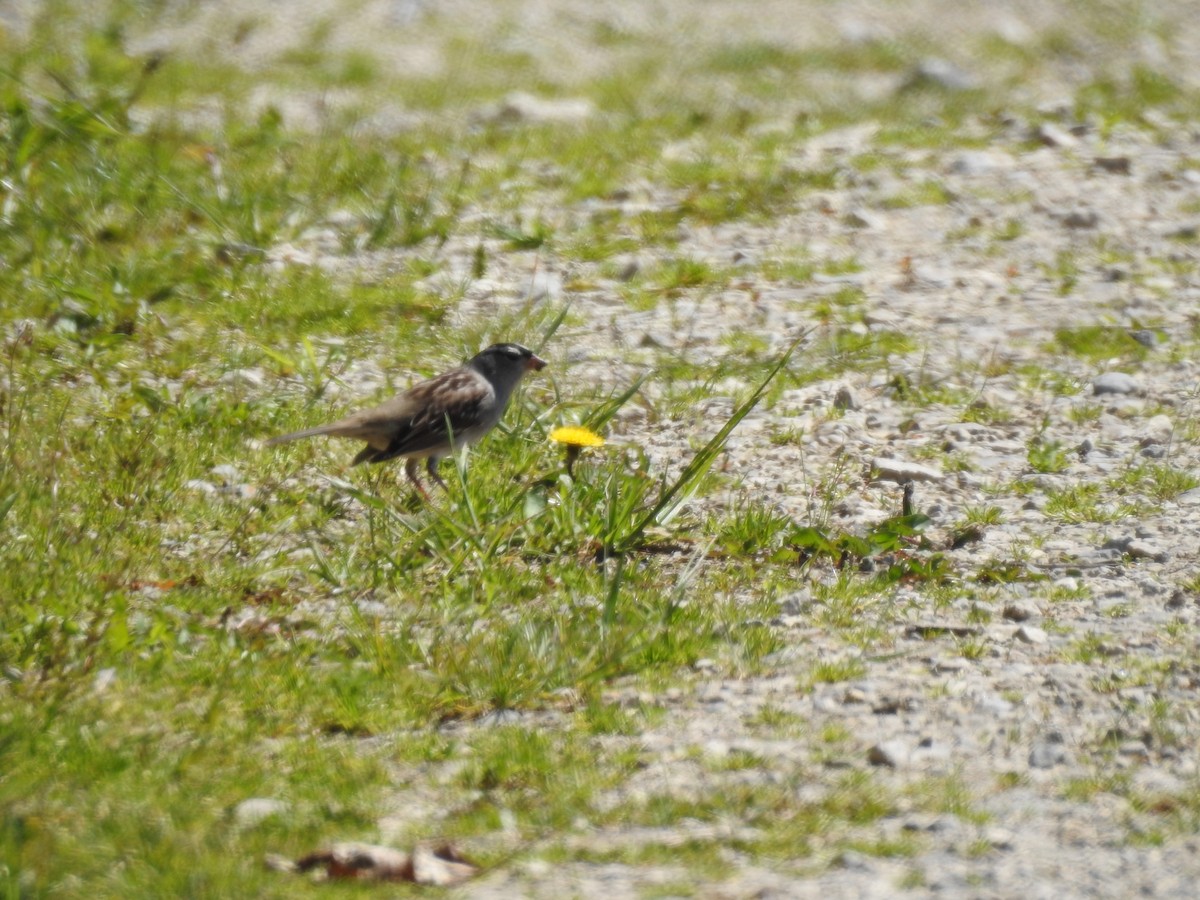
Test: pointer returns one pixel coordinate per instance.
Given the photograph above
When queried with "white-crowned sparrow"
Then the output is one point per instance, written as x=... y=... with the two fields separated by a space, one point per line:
x=433 y=417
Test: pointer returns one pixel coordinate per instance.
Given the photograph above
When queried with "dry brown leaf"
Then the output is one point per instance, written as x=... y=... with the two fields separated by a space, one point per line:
x=441 y=866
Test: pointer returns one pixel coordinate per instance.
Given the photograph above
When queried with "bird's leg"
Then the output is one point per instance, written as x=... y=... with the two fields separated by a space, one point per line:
x=432 y=466
x=410 y=469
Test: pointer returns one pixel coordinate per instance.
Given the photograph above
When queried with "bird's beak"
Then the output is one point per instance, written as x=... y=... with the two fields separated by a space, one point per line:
x=535 y=363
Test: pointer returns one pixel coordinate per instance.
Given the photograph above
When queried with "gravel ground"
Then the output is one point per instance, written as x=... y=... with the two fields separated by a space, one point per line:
x=1020 y=707
x=1123 y=208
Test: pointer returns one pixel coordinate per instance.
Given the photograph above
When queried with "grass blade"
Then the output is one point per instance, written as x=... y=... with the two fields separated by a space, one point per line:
x=676 y=494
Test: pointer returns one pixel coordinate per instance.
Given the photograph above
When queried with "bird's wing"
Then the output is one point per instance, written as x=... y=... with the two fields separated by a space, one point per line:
x=419 y=419
x=433 y=412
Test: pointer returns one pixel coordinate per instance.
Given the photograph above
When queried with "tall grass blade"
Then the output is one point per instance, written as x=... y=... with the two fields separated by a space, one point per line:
x=674 y=496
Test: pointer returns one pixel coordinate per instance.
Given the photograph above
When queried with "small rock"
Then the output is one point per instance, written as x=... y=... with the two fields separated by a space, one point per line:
x=1145 y=337
x=1157 y=430
x=935 y=823
x=795 y=603
x=944 y=74
x=1081 y=218
x=1133 y=748
x=1048 y=751
x=1031 y=635
x=1019 y=612
x=654 y=341
x=1118 y=165
x=1053 y=136
x=628 y=268
x=226 y=473
x=977 y=162
x=201 y=486
x=1189 y=497
x=892 y=754
x=256 y=809
x=900 y=471
x=1115 y=383
x=252 y=377
x=1145 y=550
x=862 y=218
x=522 y=107
x=950 y=664
x=284 y=255
x=845 y=399
x=855 y=861
x=1000 y=838
x=1154 y=451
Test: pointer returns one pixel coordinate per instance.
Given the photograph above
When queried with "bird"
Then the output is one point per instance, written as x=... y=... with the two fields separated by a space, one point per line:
x=433 y=417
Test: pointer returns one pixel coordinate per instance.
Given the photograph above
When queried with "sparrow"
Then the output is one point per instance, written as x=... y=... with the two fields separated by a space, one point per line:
x=433 y=417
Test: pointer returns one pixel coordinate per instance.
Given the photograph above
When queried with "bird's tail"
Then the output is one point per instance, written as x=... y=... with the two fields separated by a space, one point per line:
x=297 y=435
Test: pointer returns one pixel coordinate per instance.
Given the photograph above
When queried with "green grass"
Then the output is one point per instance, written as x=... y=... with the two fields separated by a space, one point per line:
x=1099 y=343
x=167 y=642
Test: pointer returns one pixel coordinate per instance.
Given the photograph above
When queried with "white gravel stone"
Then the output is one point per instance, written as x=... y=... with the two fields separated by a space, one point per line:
x=901 y=471
x=1115 y=383
x=1031 y=635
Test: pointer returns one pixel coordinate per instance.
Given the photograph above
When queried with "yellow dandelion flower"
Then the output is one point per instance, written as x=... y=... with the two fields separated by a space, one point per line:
x=575 y=437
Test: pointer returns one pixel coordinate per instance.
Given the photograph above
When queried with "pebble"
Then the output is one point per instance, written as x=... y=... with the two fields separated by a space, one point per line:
x=1000 y=838
x=1048 y=752
x=864 y=218
x=1145 y=337
x=1081 y=218
x=226 y=474
x=1138 y=549
x=979 y=162
x=251 y=377
x=944 y=74
x=1031 y=635
x=1115 y=383
x=901 y=471
x=522 y=107
x=628 y=268
x=1157 y=430
x=1053 y=136
x=892 y=754
x=1019 y=612
x=845 y=399
x=1118 y=165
